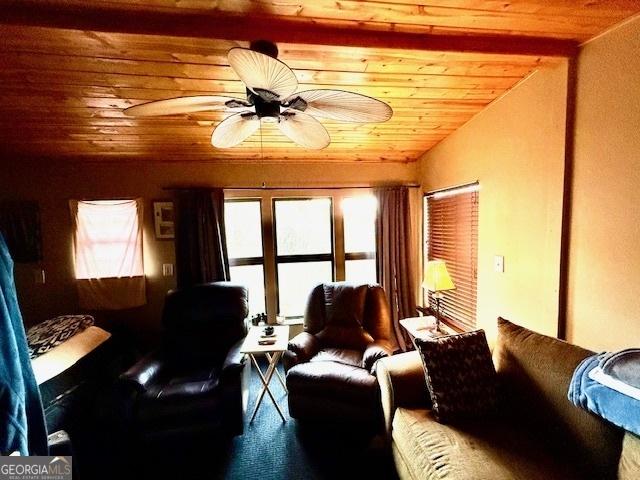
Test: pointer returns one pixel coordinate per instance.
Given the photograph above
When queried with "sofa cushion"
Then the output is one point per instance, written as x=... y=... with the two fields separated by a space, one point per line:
x=629 y=467
x=460 y=375
x=344 y=305
x=535 y=371
x=320 y=380
x=339 y=355
x=167 y=403
x=480 y=450
x=330 y=392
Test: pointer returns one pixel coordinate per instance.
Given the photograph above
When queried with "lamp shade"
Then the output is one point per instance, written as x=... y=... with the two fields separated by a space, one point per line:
x=436 y=277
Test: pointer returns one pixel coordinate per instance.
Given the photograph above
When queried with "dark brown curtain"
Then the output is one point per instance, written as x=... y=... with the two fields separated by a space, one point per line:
x=20 y=225
x=395 y=262
x=201 y=248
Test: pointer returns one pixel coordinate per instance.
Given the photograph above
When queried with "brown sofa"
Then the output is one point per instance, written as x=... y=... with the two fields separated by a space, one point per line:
x=537 y=434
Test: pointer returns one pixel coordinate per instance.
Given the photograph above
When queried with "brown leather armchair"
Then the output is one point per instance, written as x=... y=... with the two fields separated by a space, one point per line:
x=331 y=365
x=196 y=381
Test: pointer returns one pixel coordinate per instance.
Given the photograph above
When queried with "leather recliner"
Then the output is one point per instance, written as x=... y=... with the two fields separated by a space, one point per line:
x=331 y=365
x=196 y=381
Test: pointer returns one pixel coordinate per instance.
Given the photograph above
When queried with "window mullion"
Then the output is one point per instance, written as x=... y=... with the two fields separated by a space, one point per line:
x=320 y=257
x=338 y=240
x=360 y=256
x=268 y=246
x=238 y=262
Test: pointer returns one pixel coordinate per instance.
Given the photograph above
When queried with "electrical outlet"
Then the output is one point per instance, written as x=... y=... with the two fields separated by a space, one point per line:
x=167 y=269
x=498 y=263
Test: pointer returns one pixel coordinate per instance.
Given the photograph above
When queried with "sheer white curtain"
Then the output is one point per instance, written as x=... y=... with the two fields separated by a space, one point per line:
x=107 y=247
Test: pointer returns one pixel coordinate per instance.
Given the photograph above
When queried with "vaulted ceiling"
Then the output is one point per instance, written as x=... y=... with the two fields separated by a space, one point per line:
x=69 y=68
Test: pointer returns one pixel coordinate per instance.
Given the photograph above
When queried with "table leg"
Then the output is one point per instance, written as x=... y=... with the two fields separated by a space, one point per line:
x=273 y=364
x=265 y=386
x=279 y=356
x=262 y=379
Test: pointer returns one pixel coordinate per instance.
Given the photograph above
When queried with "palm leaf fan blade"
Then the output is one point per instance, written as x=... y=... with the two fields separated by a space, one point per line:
x=182 y=105
x=304 y=130
x=342 y=106
x=262 y=72
x=234 y=130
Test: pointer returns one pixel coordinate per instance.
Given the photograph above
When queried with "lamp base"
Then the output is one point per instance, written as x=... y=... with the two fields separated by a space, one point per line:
x=438 y=296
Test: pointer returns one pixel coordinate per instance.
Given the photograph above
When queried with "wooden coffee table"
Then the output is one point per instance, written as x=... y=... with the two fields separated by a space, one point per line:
x=273 y=352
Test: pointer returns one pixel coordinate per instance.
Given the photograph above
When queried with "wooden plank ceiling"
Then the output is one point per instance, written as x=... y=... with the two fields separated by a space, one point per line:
x=67 y=72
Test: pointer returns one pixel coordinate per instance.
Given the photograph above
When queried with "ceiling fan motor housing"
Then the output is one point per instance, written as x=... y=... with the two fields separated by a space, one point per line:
x=267 y=109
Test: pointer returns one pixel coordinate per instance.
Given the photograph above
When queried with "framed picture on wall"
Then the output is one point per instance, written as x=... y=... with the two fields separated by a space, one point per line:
x=163 y=220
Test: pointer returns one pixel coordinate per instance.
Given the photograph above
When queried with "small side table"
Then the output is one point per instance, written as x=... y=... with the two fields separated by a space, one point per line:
x=423 y=327
x=420 y=327
x=273 y=352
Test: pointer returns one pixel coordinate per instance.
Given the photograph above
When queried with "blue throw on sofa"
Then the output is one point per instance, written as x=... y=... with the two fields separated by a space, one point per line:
x=22 y=426
x=617 y=408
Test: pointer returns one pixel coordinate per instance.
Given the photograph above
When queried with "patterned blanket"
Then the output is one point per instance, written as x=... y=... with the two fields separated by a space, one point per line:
x=55 y=331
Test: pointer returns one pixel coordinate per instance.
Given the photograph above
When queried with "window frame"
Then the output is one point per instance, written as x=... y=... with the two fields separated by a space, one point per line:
x=247 y=261
x=362 y=255
x=302 y=258
x=473 y=187
x=244 y=261
x=268 y=231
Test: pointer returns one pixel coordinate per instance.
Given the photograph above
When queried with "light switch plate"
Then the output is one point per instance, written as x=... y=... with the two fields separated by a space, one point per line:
x=39 y=277
x=167 y=269
x=498 y=263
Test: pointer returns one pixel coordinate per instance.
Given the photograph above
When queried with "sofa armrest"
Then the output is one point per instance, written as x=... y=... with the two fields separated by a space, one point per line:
x=133 y=383
x=374 y=352
x=144 y=373
x=402 y=384
x=301 y=349
x=629 y=466
x=234 y=361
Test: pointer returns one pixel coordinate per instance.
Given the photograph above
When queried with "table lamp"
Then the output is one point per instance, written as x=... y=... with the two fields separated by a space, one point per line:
x=437 y=280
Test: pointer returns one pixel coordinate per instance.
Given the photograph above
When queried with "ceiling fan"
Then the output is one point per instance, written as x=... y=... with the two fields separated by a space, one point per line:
x=270 y=86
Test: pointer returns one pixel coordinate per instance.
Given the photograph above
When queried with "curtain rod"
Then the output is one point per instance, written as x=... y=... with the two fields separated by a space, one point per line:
x=264 y=187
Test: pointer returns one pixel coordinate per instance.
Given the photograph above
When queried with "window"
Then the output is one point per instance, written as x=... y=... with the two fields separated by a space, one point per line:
x=107 y=248
x=243 y=225
x=108 y=239
x=451 y=234
x=281 y=253
x=359 y=216
x=304 y=250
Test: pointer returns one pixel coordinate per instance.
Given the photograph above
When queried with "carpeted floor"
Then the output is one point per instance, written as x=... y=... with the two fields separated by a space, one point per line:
x=271 y=449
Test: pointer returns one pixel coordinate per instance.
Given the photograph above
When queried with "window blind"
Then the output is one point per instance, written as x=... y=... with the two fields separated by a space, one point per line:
x=452 y=235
